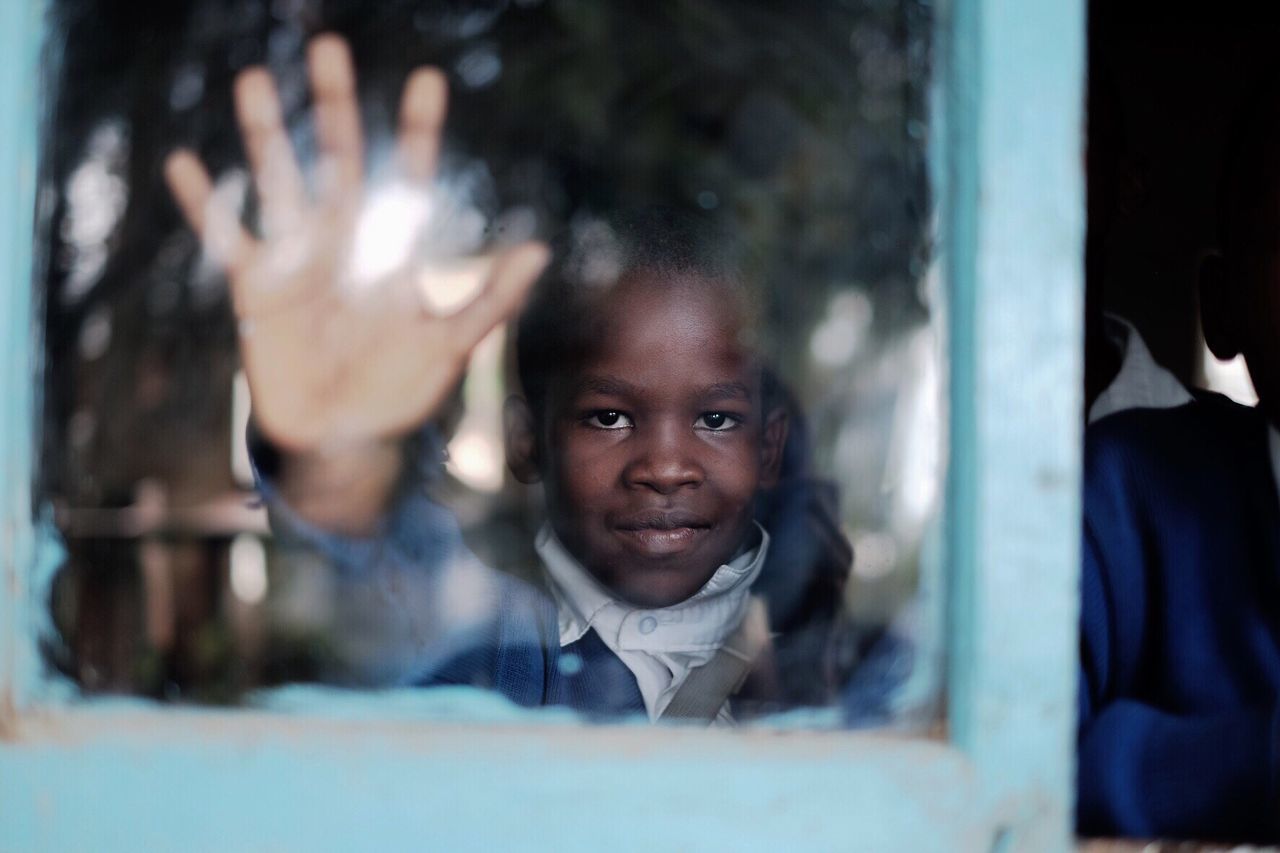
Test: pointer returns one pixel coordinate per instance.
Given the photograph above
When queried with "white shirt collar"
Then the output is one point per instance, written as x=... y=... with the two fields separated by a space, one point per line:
x=1141 y=383
x=659 y=645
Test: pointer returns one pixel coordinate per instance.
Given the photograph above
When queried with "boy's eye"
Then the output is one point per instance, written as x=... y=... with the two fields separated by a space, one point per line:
x=717 y=421
x=608 y=419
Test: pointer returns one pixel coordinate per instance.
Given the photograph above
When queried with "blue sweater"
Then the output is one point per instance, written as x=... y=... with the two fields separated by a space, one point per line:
x=1180 y=626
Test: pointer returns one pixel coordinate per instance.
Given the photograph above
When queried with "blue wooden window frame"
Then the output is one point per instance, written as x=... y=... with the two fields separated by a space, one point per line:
x=1007 y=164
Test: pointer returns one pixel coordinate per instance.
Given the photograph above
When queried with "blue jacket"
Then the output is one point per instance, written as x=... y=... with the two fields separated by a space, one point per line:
x=1180 y=625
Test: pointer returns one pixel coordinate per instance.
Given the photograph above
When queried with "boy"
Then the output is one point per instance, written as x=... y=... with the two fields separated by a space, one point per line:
x=1180 y=655
x=644 y=419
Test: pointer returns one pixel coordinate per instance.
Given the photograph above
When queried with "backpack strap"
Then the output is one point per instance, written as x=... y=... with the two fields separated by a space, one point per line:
x=707 y=687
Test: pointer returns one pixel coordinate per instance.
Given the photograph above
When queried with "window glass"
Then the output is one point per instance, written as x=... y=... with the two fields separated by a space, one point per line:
x=735 y=331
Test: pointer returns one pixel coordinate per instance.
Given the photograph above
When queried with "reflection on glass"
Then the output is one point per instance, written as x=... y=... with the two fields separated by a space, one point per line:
x=752 y=178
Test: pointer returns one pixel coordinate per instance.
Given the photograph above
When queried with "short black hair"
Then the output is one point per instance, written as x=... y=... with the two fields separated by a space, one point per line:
x=595 y=253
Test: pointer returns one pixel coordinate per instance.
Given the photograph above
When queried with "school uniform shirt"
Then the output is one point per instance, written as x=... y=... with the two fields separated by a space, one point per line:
x=1179 y=697
x=1140 y=383
x=659 y=646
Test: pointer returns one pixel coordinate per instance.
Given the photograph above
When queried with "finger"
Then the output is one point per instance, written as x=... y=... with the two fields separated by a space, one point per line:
x=333 y=87
x=275 y=171
x=503 y=294
x=422 y=111
x=213 y=220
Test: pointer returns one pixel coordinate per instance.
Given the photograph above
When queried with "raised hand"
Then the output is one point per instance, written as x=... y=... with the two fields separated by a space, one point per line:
x=336 y=365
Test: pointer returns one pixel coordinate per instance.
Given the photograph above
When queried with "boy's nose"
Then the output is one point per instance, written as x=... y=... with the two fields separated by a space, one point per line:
x=664 y=463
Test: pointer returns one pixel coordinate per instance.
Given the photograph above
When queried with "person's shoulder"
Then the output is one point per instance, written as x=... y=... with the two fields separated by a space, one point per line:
x=1202 y=458
x=1204 y=430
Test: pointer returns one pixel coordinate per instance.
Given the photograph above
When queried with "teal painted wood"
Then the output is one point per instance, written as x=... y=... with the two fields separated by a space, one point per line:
x=1014 y=219
x=196 y=782
x=107 y=776
x=20 y=40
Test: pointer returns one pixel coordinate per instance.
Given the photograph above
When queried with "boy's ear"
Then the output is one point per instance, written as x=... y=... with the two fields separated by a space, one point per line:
x=772 y=444
x=521 y=434
x=1216 y=317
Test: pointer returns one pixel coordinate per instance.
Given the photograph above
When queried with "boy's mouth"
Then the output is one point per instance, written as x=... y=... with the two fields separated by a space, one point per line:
x=661 y=533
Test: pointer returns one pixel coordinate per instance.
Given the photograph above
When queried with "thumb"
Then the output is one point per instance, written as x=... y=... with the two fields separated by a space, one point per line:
x=504 y=292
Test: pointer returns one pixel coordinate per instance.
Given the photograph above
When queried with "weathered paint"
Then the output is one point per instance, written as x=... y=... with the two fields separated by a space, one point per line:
x=19 y=56
x=1014 y=241
x=243 y=781
x=378 y=771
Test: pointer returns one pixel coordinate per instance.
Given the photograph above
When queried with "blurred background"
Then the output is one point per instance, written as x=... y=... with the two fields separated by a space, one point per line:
x=803 y=128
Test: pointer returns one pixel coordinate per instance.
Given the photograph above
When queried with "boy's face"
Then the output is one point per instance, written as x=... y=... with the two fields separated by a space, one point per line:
x=655 y=443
